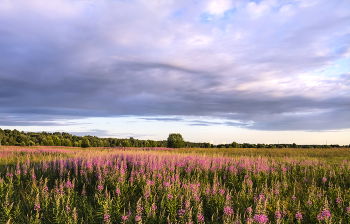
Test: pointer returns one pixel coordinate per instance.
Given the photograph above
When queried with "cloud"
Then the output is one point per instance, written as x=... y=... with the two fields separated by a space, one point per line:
x=79 y=59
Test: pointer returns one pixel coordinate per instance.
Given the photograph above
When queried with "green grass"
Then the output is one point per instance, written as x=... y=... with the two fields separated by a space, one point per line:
x=331 y=155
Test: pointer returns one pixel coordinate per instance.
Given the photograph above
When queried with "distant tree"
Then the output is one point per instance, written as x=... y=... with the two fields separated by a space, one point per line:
x=294 y=145
x=260 y=146
x=56 y=140
x=31 y=143
x=23 y=144
x=1 y=136
x=234 y=145
x=175 y=140
x=126 y=143
x=106 y=143
x=100 y=143
x=152 y=143
x=146 y=144
x=76 y=144
x=67 y=142
x=85 y=143
x=50 y=141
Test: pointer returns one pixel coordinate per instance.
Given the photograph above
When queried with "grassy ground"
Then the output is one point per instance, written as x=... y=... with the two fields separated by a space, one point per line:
x=331 y=155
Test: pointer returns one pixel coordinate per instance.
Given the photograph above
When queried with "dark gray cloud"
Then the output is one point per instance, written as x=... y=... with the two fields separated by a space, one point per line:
x=264 y=66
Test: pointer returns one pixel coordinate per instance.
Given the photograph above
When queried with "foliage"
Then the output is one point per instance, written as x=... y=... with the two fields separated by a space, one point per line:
x=175 y=141
x=55 y=185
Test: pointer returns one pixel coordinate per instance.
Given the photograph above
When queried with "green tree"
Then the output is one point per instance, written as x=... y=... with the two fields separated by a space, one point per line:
x=126 y=143
x=67 y=142
x=100 y=143
x=56 y=140
x=85 y=142
x=175 y=140
x=50 y=141
x=1 y=136
x=234 y=145
x=152 y=143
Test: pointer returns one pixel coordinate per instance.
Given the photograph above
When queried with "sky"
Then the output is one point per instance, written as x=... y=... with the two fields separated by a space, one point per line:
x=213 y=70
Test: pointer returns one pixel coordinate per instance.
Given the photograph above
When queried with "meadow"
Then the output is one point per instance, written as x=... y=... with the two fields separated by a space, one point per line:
x=160 y=185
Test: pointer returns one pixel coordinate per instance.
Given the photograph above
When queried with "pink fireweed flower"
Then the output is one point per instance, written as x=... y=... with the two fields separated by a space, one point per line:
x=299 y=216
x=137 y=218
x=261 y=218
x=222 y=191
x=117 y=191
x=324 y=215
x=170 y=196
x=294 y=198
x=37 y=208
x=338 y=200
x=249 y=209
x=278 y=215
x=187 y=204
x=228 y=211
x=124 y=217
x=46 y=189
x=181 y=212
x=277 y=192
x=154 y=207
x=309 y=202
x=100 y=188
x=131 y=179
x=121 y=179
x=200 y=218
x=106 y=218
x=324 y=179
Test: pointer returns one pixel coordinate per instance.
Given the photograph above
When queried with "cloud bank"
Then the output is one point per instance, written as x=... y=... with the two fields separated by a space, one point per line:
x=262 y=65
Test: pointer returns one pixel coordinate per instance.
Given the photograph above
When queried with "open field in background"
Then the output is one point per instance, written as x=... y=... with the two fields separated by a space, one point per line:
x=159 y=185
x=330 y=155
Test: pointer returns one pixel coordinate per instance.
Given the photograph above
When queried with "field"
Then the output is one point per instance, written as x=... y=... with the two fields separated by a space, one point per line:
x=159 y=185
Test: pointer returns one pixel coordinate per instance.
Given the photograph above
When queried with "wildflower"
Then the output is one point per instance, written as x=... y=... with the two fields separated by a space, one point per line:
x=309 y=202
x=37 y=208
x=137 y=218
x=228 y=211
x=124 y=217
x=117 y=191
x=299 y=216
x=170 y=196
x=261 y=218
x=294 y=198
x=106 y=218
x=338 y=200
x=324 y=179
x=278 y=215
x=99 y=187
x=181 y=212
x=200 y=218
x=249 y=209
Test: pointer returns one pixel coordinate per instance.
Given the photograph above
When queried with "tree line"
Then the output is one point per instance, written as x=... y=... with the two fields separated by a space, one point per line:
x=17 y=138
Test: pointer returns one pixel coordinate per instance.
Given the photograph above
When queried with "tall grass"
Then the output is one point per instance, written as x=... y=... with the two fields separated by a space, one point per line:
x=127 y=185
